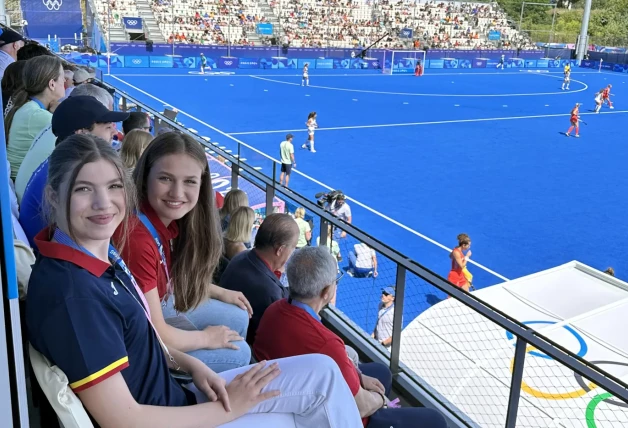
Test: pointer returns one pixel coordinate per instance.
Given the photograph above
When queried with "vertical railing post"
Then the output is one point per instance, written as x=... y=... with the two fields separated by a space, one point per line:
x=124 y=107
x=400 y=288
x=270 y=193
x=515 y=383
x=235 y=173
x=324 y=235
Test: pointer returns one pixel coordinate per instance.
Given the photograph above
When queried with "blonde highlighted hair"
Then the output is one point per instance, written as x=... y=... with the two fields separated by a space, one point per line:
x=134 y=144
x=241 y=225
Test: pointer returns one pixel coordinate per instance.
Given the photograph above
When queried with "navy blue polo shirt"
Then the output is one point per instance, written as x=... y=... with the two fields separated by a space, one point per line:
x=82 y=318
x=32 y=216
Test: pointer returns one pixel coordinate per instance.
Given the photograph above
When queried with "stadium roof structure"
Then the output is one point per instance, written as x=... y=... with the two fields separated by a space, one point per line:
x=466 y=361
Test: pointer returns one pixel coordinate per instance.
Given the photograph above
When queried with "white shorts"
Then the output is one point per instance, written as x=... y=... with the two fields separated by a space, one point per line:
x=305 y=76
x=310 y=131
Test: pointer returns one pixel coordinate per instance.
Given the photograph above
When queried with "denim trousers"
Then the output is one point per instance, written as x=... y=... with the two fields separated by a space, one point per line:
x=407 y=417
x=214 y=313
x=313 y=394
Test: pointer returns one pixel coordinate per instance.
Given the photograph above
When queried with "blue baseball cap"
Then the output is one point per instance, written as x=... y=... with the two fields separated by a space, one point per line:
x=389 y=290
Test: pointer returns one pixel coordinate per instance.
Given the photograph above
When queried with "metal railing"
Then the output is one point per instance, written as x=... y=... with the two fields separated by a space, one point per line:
x=493 y=395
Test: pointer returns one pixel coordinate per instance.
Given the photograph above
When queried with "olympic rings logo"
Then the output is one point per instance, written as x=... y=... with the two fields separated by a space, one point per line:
x=131 y=22
x=585 y=387
x=137 y=61
x=53 y=4
x=228 y=62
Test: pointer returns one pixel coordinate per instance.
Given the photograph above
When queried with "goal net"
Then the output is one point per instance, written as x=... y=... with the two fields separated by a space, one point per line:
x=402 y=62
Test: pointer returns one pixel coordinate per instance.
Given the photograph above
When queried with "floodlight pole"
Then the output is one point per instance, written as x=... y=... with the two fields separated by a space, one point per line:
x=584 y=29
x=173 y=21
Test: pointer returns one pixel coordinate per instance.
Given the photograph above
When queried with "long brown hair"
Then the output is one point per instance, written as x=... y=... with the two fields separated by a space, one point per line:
x=198 y=247
x=66 y=162
x=37 y=74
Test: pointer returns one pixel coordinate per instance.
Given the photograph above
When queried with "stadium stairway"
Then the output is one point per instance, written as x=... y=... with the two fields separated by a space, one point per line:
x=267 y=11
x=150 y=23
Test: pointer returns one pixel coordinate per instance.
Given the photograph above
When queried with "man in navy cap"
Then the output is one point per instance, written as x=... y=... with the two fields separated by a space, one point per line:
x=75 y=115
x=384 y=327
x=10 y=43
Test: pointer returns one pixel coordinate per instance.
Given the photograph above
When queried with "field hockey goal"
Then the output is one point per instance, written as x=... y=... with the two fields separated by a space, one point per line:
x=402 y=62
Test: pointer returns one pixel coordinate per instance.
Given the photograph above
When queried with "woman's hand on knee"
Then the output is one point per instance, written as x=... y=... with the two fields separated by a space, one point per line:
x=220 y=336
x=245 y=390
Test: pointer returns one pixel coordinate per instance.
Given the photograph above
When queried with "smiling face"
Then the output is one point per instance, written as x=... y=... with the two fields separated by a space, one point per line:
x=173 y=186
x=97 y=203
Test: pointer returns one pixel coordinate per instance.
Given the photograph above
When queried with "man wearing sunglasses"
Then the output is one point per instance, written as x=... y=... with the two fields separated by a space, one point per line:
x=137 y=120
x=384 y=326
x=293 y=326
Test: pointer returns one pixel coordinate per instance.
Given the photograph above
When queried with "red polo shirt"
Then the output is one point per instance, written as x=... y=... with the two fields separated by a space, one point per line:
x=141 y=254
x=288 y=331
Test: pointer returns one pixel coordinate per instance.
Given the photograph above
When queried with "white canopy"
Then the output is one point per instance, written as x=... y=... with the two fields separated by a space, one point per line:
x=466 y=359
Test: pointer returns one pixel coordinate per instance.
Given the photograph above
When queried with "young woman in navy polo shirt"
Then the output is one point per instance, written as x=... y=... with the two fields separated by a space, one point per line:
x=173 y=249
x=86 y=314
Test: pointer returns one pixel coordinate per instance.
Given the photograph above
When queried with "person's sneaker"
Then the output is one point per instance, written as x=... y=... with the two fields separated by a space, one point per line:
x=567 y=135
x=304 y=146
x=577 y=135
x=313 y=151
x=612 y=107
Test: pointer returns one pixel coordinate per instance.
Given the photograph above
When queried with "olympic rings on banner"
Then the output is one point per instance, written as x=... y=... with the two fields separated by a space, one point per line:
x=552 y=395
x=583 y=384
x=584 y=390
x=583 y=345
x=589 y=415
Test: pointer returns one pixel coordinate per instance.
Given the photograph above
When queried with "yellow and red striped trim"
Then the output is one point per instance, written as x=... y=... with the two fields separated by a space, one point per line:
x=100 y=375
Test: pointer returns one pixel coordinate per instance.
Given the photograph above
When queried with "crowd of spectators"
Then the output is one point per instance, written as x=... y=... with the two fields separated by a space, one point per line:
x=207 y=22
x=120 y=240
x=330 y=23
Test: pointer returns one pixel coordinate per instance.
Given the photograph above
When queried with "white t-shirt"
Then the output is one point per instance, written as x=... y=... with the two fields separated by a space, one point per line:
x=384 y=327
x=343 y=212
x=40 y=150
x=364 y=256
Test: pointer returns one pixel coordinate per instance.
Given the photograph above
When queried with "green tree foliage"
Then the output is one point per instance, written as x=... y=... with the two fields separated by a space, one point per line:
x=608 y=24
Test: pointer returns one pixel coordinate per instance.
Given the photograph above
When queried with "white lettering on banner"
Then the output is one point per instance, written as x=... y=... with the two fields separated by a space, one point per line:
x=53 y=4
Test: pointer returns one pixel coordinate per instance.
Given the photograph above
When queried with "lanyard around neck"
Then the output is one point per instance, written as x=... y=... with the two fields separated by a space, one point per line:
x=305 y=307
x=148 y=225
x=385 y=312
x=62 y=238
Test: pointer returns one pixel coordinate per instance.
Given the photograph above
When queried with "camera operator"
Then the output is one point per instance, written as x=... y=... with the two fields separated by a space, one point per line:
x=342 y=210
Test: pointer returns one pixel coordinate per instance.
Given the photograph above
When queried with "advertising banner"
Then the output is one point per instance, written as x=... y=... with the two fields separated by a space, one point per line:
x=136 y=61
x=494 y=35
x=515 y=63
x=437 y=63
x=186 y=62
x=132 y=23
x=542 y=63
x=273 y=63
x=406 y=33
x=530 y=63
x=479 y=63
x=324 y=63
x=301 y=63
x=450 y=63
x=161 y=61
x=227 y=62
x=249 y=63
x=56 y=18
x=265 y=29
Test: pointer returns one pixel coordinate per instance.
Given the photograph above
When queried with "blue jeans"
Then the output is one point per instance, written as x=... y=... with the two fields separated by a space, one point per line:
x=404 y=417
x=214 y=312
x=357 y=272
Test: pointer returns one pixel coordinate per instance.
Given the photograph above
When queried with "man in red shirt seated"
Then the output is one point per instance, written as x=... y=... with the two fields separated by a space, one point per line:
x=292 y=327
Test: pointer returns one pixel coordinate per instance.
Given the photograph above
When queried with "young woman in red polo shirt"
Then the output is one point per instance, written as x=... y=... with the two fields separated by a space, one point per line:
x=95 y=326
x=173 y=248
